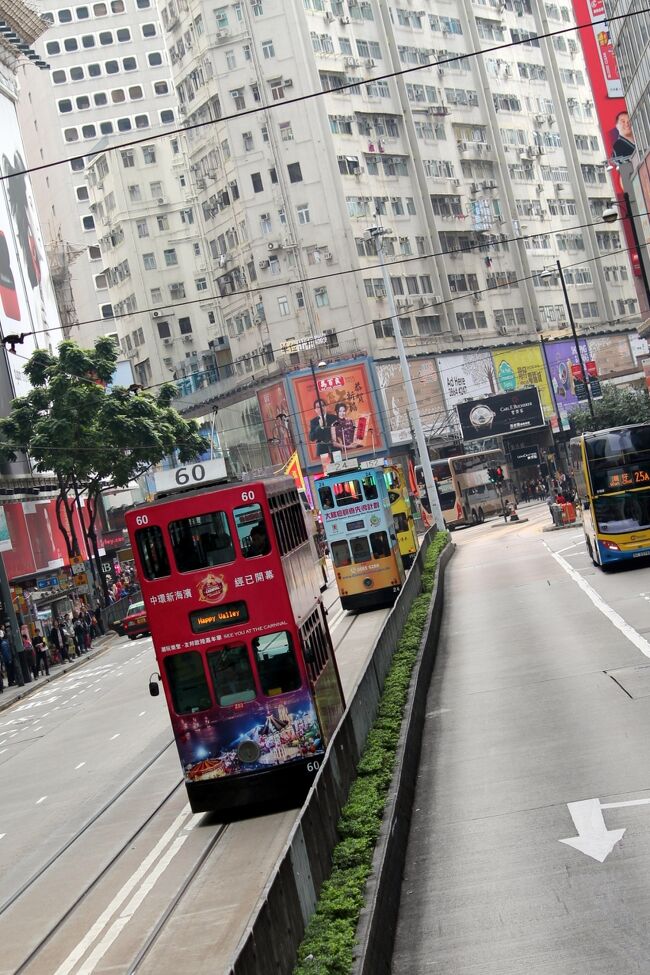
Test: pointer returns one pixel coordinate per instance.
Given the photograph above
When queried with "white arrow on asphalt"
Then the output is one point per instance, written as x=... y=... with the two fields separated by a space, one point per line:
x=594 y=839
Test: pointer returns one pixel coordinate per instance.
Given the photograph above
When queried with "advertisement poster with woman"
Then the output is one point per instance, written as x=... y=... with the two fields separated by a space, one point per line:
x=337 y=413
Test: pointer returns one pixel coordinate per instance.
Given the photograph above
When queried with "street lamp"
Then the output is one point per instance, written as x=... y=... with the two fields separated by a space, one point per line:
x=321 y=365
x=377 y=234
x=552 y=274
x=610 y=215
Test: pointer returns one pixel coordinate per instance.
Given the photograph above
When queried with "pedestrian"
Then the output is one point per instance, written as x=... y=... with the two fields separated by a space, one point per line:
x=59 y=640
x=40 y=650
x=30 y=656
x=79 y=635
x=7 y=658
x=97 y=613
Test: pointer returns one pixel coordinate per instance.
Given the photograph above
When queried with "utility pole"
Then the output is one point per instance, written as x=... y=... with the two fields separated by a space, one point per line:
x=377 y=233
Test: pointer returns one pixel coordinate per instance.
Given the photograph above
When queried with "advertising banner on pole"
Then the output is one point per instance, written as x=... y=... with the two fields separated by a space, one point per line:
x=561 y=357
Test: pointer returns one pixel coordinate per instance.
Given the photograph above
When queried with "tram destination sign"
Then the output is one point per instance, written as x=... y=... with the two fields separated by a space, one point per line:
x=505 y=413
x=204 y=620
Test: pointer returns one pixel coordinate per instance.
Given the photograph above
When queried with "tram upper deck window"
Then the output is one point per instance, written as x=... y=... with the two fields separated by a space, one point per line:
x=232 y=676
x=326 y=498
x=380 y=545
x=153 y=554
x=370 y=488
x=276 y=663
x=187 y=682
x=347 y=492
x=201 y=541
x=251 y=531
x=360 y=549
x=340 y=554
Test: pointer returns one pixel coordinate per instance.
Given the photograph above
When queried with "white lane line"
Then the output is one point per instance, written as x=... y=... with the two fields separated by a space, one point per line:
x=2 y=835
x=120 y=923
x=113 y=737
x=2 y=751
x=133 y=882
x=142 y=713
x=628 y=631
x=80 y=765
x=42 y=799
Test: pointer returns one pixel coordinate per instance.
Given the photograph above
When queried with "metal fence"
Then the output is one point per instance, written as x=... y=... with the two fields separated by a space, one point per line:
x=115 y=612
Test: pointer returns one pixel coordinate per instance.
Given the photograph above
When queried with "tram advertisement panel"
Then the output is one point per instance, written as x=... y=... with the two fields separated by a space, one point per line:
x=337 y=411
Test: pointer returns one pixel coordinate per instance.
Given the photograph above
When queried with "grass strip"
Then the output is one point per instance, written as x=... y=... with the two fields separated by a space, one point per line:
x=328 y=945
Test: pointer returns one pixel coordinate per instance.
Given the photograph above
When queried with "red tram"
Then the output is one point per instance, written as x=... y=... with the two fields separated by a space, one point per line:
x=232 y=590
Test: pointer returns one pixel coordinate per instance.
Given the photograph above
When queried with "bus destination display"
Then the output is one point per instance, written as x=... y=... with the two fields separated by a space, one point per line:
x=204 y=620
x=630 y=476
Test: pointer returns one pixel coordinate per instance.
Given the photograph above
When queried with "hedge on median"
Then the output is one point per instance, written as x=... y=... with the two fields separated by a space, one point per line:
x=328 y=946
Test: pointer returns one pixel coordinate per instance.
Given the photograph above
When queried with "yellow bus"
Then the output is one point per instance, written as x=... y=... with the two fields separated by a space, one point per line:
x=612 y=474
x=400 y=505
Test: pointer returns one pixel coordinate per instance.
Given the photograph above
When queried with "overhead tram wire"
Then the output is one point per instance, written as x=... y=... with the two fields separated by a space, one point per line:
x=329 y=275
x=155 y=137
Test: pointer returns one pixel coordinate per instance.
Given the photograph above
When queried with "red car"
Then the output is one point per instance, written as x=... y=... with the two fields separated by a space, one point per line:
x=135 y=622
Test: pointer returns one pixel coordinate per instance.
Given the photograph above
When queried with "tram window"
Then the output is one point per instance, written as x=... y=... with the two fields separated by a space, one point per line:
x=340 y=554
x=232 y=676
x=251 y=531
x=347 y=492
x=360 y=549
x=276 y=663
x=392 y=480
x=380 y=545
x=201 y=541
x=401 y=522
x=370 y=488
x=326 y=498
x=153 y=553
x=186 y=676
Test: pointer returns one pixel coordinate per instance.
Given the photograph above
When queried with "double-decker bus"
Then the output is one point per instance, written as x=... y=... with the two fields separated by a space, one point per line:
x=612 y=473
x=232 y=589
x=361 y=535
x=467 y=494
x=400 y=505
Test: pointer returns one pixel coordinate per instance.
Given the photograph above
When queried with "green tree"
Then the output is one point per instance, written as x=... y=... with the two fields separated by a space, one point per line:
x=619 y=406
x=91 y=437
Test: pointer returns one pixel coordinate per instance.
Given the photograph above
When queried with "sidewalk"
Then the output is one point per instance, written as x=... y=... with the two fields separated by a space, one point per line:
x=13 y=693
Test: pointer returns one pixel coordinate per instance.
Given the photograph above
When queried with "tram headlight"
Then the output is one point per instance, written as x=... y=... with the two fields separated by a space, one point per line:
x=367 y=582
x=248 y=751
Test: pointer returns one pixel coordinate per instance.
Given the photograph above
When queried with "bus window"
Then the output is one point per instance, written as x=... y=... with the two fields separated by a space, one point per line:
x=153 y=553
x=276 y=663
x=201 y=541
x=232 y=676
x=370 y=488
x=401 y=522
x=187 y=683
x=380 y=545
x=360 y=549
x=347 y=492
x=340 y=554
x=326 y=498
x=251 y=530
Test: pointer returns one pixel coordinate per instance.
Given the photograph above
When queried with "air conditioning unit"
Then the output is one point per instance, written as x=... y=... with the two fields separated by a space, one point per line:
x=349 y=62
x=370 y=62
x=287 y=82
x=263 y=264
x=274 y=245
x=502 y=330
x=168 y=341
x=455 y=181
x=344 y=20
x=473 y=187
x=438 y=110
x=187 y=338
x=161 y=200
x=358 y=171
x=200 y=184
x=182 y=110
x=328 y=256
x=156 y=314
x=461 y=146
x=224 y=32
x=380 y=292
x=329 y=16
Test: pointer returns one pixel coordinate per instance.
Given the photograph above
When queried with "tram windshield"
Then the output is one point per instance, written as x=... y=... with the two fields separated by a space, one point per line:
x=276 y=663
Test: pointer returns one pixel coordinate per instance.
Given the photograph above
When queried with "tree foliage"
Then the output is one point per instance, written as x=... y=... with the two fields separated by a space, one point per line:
x=92 y=437
x=619 y=406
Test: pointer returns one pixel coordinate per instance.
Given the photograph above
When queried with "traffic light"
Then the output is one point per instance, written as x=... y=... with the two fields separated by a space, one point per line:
x=496 y=474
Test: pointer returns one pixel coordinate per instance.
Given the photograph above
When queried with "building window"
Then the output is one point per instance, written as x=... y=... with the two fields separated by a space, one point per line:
x=268 y=50
x=94 y=253
x=286 y=132
x=143 y=229
x=82 y=193
x=303 y=213
x=238 y=98
x=277 y=89
x=247 y=138
x=149 y=155
x=154 y=59
x=149 y=261
x=156 y=190
x=265 y=223
x=257 y=8
x=88 y=223
x=295 y=173
x=128 y=158
x=148 y=30
x=156 y=296
x=135 y=194
x=322 y=298
x=164 y=331
x=283 y=305
x=163 y=223
x=170 y=257
x=185 y=326
x=256 y=180
x=201 y=284
x=160 y=88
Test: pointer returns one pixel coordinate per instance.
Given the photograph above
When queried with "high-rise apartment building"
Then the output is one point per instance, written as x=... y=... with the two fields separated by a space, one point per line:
x=109 y=79
x=483 y=168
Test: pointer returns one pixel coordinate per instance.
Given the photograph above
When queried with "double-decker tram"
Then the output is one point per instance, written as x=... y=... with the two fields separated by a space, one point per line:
x=360 y=532
x=400 y=505
x=232 y=589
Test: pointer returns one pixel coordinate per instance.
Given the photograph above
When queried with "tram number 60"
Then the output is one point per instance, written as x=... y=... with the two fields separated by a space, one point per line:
x=313 y=766
x=248 y=495
x=186 y=474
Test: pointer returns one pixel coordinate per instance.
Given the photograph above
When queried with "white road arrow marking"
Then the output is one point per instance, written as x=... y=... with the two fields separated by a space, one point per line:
x=594 y=839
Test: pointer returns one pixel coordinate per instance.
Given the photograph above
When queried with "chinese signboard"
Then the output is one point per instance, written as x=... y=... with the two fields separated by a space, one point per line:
x=504 y=413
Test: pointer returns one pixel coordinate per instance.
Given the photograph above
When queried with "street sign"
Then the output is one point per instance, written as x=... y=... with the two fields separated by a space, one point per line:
x=580 y=390
x=199 y=474
x=595 y=389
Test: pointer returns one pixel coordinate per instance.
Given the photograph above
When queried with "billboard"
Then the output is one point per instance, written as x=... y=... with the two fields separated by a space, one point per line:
x=495 y=416
x=337 y=412
x=560 y=356
x=5 y=538
x=607 y=88
x=524 y=457
x=465 y=375
x=428 y=395
x=521 y=367
x=274 y=409
x=27 y=302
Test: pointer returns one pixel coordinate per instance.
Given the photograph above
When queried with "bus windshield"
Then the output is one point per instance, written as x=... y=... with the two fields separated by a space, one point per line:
x=627 y=511
x=619 y=459
x=444 y=484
